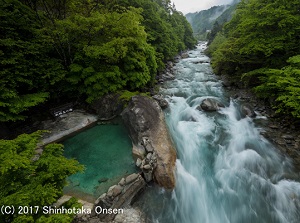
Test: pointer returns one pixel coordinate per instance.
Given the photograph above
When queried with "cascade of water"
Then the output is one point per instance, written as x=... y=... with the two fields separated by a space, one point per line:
x=226 y=171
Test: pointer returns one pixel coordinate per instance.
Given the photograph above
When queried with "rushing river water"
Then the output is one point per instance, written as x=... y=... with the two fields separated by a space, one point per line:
x=226 y=170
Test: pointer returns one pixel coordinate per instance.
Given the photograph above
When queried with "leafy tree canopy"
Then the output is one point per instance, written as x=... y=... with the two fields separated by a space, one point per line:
x=28 y=181
x=61 y=49
x=27 y=72
x=261 y=44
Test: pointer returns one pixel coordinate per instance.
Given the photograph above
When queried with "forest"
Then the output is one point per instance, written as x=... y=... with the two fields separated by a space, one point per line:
x=260 y=48
x=54 y=49
x=57 y=51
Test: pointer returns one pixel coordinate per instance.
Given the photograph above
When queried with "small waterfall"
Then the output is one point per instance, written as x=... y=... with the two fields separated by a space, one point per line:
x=226 y=171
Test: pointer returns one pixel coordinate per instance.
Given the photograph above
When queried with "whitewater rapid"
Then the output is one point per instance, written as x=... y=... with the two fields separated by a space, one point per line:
x=226 y=171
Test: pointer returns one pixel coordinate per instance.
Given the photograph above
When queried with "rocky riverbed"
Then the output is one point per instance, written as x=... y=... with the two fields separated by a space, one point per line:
x=281 y=130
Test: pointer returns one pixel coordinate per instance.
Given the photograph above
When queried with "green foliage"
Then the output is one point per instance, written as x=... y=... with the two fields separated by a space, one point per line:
x=259 y=44
x=206 y=23
x=204 y=20
x=27 y=181
x=167 y=29
x=127 y=95
x=53 y=50
x=112 y=52
x=281 y=84
x=27 y=72
x=260 y=34
x=61 y=218
x=217 y=42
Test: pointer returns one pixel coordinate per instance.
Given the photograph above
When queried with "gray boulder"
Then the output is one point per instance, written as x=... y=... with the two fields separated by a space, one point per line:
x=210 y=104
x=144 y=119
x=108 y=106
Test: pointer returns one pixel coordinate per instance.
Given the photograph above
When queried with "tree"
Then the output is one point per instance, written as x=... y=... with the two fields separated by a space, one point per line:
x=110 y=52
x=27 y=71
x=260 y=46
x=61 y=49
x=28 y=181
x=283 y=85
x=260 y=34
x=167 y=29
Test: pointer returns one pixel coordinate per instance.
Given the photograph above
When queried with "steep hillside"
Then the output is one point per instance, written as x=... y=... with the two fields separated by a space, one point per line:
x=204 y=20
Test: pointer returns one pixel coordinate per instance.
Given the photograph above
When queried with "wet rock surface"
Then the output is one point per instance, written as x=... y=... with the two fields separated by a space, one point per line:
x=65 y=125
x=247 y=110
x=145 y=122
x=168 y=72
x=117 y=199
x=161 y=101
x=210 y=104
x=281 y=130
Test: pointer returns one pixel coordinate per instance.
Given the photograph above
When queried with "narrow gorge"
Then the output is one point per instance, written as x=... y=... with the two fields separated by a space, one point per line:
x=226 y=170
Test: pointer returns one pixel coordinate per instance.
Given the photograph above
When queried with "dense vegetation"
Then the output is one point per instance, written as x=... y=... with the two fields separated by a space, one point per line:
x=32 y=182
x=204 y=20
x=260 y=46
x=67 y=50
x=205 y=23
x=54 y=49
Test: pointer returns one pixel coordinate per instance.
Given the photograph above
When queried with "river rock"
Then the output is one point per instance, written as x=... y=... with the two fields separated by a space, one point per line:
x=122 y=182
x=123 y=199
x=138 y=162
x=147 y=144
x=288 y=137
x=247 y=110
x=108 y=106
x=102 y=180
x=168 y=76
x=138 y=152
x=148 y=175
x=184 y=55
x=149 y=155
x=117 y=190
x=176 y=59
x=110 y=192
x=143 y=117
x=210 y=104
x=161 y=101
x=170 y=64
x=147 y=167
x=129 y=179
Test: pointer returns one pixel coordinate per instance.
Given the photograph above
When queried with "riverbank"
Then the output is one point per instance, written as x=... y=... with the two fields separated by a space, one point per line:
x=281 y=131
x=225 y=169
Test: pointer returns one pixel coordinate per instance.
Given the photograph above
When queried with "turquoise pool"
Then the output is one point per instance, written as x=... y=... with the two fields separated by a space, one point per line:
x=105 y=150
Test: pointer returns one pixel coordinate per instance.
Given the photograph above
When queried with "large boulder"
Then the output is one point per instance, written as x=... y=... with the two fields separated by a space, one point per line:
x=145 y=122
x=210 y=104
x=108 y=106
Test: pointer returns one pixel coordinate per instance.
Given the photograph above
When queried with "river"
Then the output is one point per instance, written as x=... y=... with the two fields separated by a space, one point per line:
x=226 y=171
